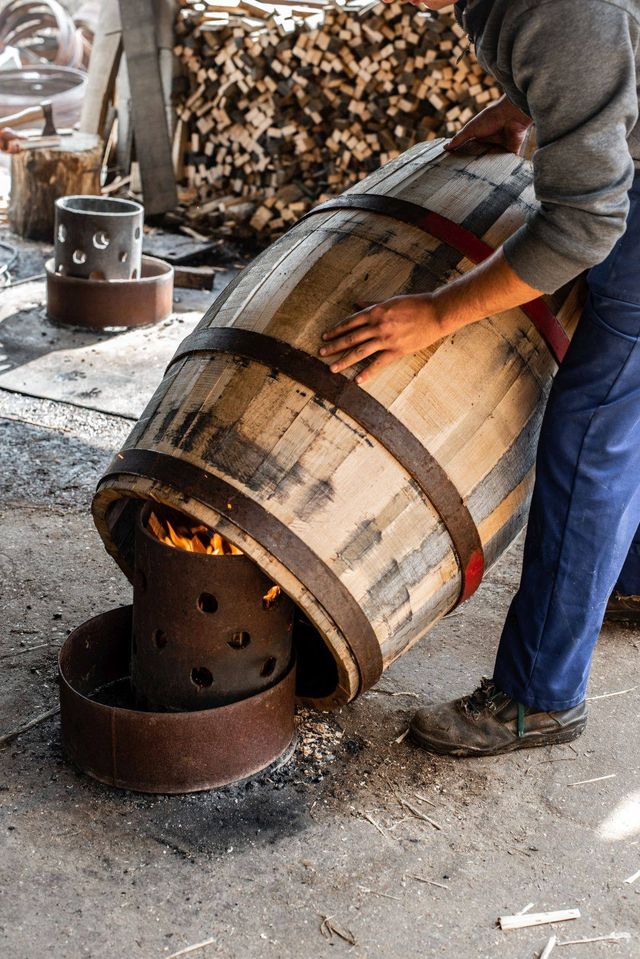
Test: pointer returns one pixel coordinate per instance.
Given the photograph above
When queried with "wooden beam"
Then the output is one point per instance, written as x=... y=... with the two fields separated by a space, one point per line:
x=151 y=132
x=103 y=69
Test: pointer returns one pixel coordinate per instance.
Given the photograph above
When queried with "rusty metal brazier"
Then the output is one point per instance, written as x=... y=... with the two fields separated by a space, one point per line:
x=192 y=687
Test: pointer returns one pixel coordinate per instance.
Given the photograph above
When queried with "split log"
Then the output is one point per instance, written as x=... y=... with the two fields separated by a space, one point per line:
x=40 y=176
x=372 y=507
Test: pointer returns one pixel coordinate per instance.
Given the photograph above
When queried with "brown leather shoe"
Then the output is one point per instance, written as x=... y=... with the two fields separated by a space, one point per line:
x=489 y=722
x=623 y=609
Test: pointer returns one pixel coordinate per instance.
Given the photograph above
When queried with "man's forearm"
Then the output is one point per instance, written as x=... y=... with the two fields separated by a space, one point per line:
x=489 y=288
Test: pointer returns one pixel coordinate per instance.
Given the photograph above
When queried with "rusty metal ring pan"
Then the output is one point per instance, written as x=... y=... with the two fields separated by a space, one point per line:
x=172 y=752
x=98 y=304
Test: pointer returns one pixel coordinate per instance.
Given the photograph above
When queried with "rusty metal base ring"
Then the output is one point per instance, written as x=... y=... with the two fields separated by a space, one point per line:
x=99 y=304
x=154 y=752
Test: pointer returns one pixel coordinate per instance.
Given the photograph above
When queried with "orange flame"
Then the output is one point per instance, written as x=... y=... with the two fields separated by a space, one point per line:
x=200 y=539
x=193 y=539
x=270 y=597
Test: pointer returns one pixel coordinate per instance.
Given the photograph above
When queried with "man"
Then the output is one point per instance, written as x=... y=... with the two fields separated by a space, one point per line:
x=571 y=67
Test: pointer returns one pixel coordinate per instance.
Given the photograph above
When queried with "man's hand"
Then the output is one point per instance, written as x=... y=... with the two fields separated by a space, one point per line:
x=406 y=324
x=9 y=140
x=402 y=325
x=501 y=124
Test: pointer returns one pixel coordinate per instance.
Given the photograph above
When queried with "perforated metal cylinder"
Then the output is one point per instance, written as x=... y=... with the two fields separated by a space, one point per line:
x=98 y=238
x=205 y=630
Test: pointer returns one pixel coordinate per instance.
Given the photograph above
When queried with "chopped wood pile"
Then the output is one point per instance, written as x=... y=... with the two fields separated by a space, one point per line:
x=283 y=107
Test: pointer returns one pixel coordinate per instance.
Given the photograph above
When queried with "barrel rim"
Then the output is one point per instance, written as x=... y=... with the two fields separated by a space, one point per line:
x=119 y=489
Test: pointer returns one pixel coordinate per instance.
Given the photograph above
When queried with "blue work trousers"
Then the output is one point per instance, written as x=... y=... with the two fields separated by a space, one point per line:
x=583 y=538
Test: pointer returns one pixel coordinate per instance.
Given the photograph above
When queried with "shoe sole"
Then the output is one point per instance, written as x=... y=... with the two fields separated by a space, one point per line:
x=526 y=742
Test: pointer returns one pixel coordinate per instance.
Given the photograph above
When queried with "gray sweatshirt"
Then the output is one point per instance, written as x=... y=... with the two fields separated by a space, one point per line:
x=574 y=67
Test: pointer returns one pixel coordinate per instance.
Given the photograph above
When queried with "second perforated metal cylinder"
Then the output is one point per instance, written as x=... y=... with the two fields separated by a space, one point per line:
x=98 y=238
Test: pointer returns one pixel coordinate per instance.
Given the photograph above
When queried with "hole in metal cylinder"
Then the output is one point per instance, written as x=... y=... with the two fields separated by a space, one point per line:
x=62 y=233
x=269 y=666
x=97 y=275
x=124 y=256
x=79 y=257
x=240 y=640
x=159 y=638
x=134 y=274
x=101 y=240
x=207 y=603
x=137 y=233
x=201 y=677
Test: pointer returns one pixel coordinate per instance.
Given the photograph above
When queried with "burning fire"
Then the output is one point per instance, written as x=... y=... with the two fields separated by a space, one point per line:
x=199 y=539
x=270 y=597
x=193 y=539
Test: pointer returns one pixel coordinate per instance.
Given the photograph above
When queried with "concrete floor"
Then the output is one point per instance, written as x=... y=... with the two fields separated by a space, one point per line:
x=87 y=871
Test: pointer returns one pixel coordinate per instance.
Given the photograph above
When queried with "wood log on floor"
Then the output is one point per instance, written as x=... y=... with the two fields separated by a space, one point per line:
x=40 y=176
x=367 y=505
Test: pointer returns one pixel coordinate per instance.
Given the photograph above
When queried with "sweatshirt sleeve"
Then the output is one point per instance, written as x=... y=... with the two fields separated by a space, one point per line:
x=575 y=64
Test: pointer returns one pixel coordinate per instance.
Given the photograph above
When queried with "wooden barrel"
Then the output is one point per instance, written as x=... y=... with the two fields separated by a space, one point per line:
x=376 y=508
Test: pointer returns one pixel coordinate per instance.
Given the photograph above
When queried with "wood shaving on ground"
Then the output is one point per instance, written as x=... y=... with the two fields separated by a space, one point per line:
x=383 y=895
x=598 y=779
x=419 y=815
x=402 y=736
x=550 y=946
x=526 y=909
x=24 y=649
x=612 y=937
x=188 y=949
x=422 y=798
x=429 y=882
x=620 y=692
x=634 y=878
x=329 y=929
x=537 y=919
x=14 y=733
x=390 y=692
x=560 y=759
x=369 y=818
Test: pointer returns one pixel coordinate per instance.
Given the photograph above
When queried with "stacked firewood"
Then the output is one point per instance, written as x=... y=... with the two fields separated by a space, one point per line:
x=282 y=111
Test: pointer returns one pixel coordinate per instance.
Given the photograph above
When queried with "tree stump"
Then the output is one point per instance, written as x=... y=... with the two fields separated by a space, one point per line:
x=40 y=176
